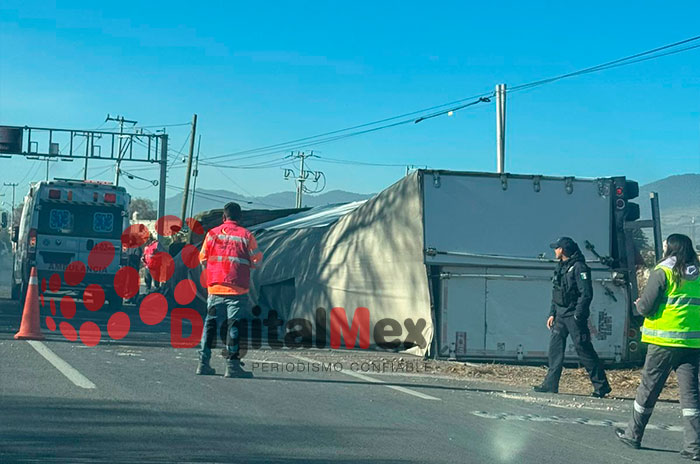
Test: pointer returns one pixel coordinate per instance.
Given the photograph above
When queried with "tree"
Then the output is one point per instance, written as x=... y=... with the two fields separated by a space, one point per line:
x=144 y=207
x=640 y=240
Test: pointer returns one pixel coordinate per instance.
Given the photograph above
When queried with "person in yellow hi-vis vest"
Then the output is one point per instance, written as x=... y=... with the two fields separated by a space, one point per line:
x=670 y=304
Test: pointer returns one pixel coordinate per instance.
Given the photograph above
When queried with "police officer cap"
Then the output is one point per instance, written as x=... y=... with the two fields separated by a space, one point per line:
x=566 y=243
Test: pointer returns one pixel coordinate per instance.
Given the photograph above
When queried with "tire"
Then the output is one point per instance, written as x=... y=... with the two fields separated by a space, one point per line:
x=14 y=291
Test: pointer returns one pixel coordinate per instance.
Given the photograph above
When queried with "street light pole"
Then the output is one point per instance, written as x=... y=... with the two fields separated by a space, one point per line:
x=12 y=214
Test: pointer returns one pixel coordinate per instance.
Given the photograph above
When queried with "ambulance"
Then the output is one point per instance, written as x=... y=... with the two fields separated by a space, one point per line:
x=66 y=226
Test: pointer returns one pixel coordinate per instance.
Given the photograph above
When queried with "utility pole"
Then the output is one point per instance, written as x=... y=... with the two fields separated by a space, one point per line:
x=195 y=173
x=47 y=167
x=12 y=214
x=303 y=175
x=121 y=121
x=189 y=170
x=501 y=128
x=162 y=182
x=301 y=179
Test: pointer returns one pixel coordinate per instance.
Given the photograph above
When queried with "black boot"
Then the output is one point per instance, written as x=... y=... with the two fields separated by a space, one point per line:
x=234 y=369
x=545 y=389
x=620 y=434
x=602 y=393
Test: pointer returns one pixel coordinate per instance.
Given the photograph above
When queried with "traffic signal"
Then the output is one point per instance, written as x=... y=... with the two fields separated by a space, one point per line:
x=626 y=210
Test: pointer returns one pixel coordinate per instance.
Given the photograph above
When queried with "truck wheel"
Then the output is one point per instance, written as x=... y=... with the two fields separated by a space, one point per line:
x=14 y=291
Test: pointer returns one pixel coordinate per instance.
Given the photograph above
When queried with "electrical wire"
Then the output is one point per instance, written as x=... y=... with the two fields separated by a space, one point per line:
x=212 y=196
x=359 y=126
x=632 y=59
x=215 y=197
x=163 y=125
x=313 y=192
x=359 y=163
x=271 y=164
x=131 y=185
x=322 y=141
x=339 y=134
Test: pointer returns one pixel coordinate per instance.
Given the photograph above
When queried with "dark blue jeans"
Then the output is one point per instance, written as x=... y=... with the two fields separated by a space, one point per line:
x=228 y=307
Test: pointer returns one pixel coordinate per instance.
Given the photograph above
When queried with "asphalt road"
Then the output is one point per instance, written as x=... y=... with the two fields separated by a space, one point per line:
x=144 y=404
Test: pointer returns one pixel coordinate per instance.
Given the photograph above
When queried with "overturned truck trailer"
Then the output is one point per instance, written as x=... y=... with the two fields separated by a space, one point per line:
x=458 y=264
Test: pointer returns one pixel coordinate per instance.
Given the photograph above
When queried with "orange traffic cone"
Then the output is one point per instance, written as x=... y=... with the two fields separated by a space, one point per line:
x=30 y=329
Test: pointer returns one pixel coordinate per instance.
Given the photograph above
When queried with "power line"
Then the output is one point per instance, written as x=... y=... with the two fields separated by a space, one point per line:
x=155 y=126
x=212 y=196
x=632 y=59
x=266 y=165
x=358 y=163
x=359 y=126
x=215 y=197
x=338 y=134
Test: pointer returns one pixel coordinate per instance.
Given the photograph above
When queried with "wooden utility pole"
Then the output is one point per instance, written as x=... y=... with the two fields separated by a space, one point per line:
x=183 y=211
x=195 y=174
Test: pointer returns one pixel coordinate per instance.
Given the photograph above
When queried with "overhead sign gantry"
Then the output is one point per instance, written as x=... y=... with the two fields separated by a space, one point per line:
x=71 y=144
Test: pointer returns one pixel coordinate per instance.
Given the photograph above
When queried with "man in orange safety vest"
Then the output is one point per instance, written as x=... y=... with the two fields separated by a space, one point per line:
x=228 y=253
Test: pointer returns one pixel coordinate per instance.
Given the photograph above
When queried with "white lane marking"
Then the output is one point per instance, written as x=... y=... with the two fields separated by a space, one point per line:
x=63 y=367
x=373 y=380
x=569 y=420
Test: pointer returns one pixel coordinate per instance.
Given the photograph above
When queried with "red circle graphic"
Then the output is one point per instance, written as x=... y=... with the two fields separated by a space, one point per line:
x=90 y=333
x=195 y=226
x=153 y=309
x=50 y=323
x=168 y=225
x=126 y=282
x=75 y=273
x=190 y=256
x=68 y=331
x=161 y=267
x=55 y=283
x=135 y=236
x=118 y=325
x=93 y=297
x=101 y=256
x=68 y=307
x=185 y=291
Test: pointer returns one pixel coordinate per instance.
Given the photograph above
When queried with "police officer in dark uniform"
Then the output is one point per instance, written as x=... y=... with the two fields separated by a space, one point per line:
x=571 y=299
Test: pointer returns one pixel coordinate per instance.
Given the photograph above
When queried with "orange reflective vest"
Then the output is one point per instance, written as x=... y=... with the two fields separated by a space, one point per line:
x=229 y=255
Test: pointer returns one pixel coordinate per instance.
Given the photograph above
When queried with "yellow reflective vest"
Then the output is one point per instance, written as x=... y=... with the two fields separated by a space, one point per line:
x=677 y=321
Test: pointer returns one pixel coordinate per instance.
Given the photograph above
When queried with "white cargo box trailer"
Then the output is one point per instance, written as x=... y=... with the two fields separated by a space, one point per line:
x=463 y=256
x=487 y=252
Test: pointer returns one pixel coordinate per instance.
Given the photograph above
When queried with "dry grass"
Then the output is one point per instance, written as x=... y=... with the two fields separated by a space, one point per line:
x=573 y=381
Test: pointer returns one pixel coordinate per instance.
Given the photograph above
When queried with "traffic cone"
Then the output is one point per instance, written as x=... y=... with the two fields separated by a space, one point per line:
x=30 y=329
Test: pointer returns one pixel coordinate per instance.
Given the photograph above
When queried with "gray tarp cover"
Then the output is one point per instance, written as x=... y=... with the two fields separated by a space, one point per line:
x=371 y=257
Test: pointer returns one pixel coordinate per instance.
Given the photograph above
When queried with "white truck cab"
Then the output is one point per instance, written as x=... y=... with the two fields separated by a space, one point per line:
x=62 y=222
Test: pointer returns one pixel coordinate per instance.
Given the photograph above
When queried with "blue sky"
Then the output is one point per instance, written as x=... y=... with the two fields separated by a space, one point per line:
x=258 y=74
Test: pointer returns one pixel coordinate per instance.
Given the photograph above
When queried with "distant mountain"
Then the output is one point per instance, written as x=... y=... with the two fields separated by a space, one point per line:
x=679 y=202
x=212 y=199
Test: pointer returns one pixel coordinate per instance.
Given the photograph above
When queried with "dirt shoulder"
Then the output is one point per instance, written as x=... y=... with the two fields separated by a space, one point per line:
x=573 y=381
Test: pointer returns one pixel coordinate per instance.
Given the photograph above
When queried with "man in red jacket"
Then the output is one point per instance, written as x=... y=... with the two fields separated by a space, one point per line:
x=228 y=252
